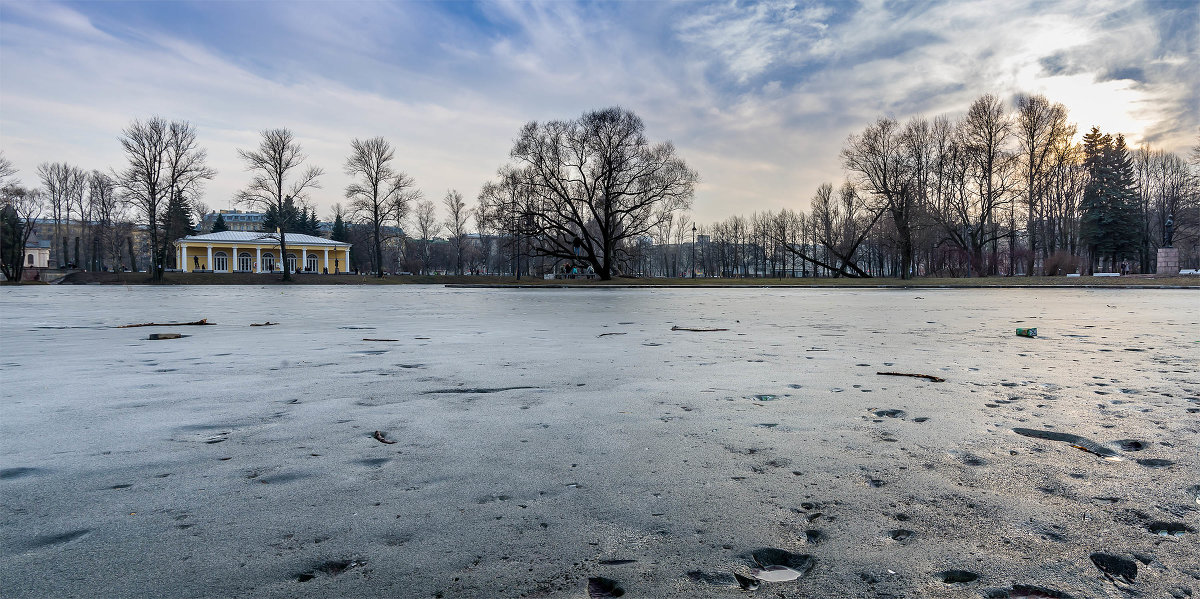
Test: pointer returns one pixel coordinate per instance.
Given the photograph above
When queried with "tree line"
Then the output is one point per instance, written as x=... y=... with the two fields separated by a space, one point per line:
x=1000 y=190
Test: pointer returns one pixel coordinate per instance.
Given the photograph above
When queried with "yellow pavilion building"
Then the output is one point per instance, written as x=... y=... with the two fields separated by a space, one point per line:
x=250 y=251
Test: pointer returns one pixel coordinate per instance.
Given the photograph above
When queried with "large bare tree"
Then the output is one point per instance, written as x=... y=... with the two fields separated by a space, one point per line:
x=597 y=182
x=380 y=193
x=457 y=215
x=166 y=164
x=277 y=177
x=63 y=184
x=1040 y=127
x=879 y=159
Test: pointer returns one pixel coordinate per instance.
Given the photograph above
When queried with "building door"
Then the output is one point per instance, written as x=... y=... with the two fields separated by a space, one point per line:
x=291 y=262
x=245 y=262
x=311 y=263
x=268 y=262
x=220 y=262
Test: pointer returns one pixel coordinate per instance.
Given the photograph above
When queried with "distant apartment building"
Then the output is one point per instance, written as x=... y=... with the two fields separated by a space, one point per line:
x=236 y=220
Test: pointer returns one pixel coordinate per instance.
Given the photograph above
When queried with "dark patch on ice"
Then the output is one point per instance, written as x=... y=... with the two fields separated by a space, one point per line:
x=604 y=587
x=491 y=498
x=358 y=328
x=410 y=365
x=721 y=579
x=957 y=576
x=1115 y=566
x=973 y=460
x=616 y=562
x=899 y=534
x=1076 y=441
x=41 y=541
x=373 y=462
x=813 y=536
x=283 y=478
x=1169 y=529
x=763 y=397
x=768 y=556
x=1155 y=462
x=330 y=568
x=890 y=413
x=1131 y=445
x=371 y=352
x=1023 y=591
x=767 y=425
x=21 y=471
x=121 y=486
x=473 y=390
x=920 y=419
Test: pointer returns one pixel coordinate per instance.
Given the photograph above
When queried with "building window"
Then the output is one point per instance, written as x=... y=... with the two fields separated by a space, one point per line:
x=220 y=262
x=311 y=263
x=245 y=262
x=31 y=259
x=268 y=262
x=291 y=262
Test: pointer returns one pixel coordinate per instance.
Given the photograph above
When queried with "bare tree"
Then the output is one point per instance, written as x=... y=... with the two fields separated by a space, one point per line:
x=457 y=215
x=881 y=161
x=275 y=166
x=1040 y=126
x=63 y=184
x=597 y=182
x=425 y=219
x=7 y=169
x=380 y=194
x=19 y=211
x=108 y=209
x=165 y=164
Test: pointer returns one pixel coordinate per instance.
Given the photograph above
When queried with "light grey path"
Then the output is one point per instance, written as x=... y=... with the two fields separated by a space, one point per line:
x=239 y=461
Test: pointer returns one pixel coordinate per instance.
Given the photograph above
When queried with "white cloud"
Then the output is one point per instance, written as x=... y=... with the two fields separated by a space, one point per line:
x=759 y=98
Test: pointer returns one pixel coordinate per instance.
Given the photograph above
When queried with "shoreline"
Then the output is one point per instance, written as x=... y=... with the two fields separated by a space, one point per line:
x=498 y=282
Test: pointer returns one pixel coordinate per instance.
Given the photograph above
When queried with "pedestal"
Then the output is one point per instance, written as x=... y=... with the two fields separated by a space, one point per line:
x=1168 y=261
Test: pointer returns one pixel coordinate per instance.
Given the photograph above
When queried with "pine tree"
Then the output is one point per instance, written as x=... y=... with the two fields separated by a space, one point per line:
x=287 y=218
x=177 y=222
x=339 y=232
x=219 y=224
x=1109 y=210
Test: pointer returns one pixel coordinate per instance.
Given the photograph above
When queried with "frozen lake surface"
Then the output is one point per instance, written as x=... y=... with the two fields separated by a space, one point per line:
x=546 y=437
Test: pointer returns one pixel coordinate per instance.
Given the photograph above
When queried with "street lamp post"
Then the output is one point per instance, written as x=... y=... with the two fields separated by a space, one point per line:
x=693 y=250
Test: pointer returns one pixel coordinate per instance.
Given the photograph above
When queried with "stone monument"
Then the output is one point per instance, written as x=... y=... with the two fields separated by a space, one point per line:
x=1168 y=256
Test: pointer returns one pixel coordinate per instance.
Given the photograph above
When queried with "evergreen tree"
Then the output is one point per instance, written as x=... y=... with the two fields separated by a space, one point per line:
x=219 y=224
x=314 y=225
x=177 y=222
x=287 y=217
x=339 y=232
x=1109 y=209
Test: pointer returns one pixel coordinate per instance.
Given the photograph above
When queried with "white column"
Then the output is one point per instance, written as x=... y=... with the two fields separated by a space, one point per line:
x=234 y=265
x=181 y=263
x=348 y=260
x=258 y=258
x=326 y=267
x=209 y=264
x=303 y=258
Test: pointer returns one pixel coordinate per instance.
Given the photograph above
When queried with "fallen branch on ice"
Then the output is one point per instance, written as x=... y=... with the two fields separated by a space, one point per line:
x=935 y=379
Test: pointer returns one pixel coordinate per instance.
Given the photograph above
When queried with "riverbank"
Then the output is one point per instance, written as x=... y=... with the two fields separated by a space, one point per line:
x=1134 y=281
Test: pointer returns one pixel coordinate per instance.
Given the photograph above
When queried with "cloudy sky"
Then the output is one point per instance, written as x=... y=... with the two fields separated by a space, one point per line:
x=757 y=96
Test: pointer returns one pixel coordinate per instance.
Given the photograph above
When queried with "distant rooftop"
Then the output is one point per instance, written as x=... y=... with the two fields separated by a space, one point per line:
x=259 y=237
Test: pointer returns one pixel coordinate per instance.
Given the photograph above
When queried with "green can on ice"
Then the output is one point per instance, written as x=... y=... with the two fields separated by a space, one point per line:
x=1027 y=332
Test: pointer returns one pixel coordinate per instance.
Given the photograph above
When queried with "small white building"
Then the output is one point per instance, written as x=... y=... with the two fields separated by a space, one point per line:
x=247 y=251
x=37 y=255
